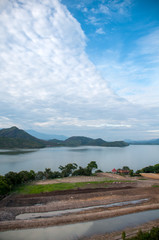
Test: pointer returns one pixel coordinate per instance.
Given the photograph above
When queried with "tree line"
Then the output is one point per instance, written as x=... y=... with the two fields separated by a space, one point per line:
x=10 y=180
x=149 y=169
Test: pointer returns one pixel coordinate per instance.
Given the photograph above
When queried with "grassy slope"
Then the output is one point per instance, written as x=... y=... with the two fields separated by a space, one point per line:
x=35 y=189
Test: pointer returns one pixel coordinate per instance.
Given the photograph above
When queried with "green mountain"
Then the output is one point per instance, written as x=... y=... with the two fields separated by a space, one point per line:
x=85 y=141
x=16 y=138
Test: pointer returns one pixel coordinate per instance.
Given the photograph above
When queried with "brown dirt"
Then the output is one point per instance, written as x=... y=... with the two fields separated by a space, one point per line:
x=151 y=175
x=14 y=205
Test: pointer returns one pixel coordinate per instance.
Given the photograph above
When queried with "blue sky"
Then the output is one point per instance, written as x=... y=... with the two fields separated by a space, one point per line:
x=80 y=67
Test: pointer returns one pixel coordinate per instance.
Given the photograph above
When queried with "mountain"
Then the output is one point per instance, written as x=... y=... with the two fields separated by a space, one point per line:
x=85 y=141
x=143 y=142
x=16 y=138
x=44 y=136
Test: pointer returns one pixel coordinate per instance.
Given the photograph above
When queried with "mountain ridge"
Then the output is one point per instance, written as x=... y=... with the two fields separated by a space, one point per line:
x=143 y=142
x=44 y=136
x=17 y=138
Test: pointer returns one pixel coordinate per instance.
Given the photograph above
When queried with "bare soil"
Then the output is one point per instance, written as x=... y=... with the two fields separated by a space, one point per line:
x=151 y=175
x=119 y=191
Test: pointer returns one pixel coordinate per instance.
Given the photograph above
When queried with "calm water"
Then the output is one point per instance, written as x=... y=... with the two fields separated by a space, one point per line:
x=79 y=230
x=136 y=157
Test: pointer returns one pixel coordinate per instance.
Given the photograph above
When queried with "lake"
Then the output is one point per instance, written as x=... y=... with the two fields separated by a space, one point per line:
x=107 y=158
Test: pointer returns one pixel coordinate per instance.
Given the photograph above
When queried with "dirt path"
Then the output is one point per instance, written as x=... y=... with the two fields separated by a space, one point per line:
x=119 y=191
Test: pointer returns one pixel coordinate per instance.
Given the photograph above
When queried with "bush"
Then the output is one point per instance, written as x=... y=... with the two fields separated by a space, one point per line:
x=153 y=234
x=4 y=187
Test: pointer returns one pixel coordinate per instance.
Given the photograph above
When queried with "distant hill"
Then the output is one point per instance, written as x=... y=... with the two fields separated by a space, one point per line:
x=85 y=141
x=44 y=136
x=16 y=138
x=143 y=142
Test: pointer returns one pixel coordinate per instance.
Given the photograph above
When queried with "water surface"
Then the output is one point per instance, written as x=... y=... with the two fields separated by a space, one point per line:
x=79 y=230
x=107 y=158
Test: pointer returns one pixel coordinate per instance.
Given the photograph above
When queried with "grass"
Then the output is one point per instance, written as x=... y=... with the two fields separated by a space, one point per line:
x=35 y=189
x=155 y=186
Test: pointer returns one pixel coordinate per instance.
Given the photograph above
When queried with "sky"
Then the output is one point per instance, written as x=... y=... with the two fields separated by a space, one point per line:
x=80 y=68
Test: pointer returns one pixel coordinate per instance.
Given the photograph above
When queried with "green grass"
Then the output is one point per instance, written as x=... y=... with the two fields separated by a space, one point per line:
x=155 y=186
x=35 y=189
x=142 y=179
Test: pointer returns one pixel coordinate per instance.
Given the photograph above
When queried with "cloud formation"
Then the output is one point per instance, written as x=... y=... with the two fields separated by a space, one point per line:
x=48 y=81
x=45 y=71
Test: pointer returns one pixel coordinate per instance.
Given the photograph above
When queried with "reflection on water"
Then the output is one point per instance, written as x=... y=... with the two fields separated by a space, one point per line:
x=79 y=149
x=79 y=230
x=15 y=152
x=84 y=149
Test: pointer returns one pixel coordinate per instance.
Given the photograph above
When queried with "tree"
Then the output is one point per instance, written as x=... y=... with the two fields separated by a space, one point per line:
x=131 y=173
x=39 y=175
x=48 y=173
x=123 y=235
x=32 y=175
x=56 y=174
x=23 y=176
x=92 y=165
x=4 y=187
x=126 y=168
x=156 y=168
x=149 y=169
x=67 y=170
x=12 y=178
x=79 y=172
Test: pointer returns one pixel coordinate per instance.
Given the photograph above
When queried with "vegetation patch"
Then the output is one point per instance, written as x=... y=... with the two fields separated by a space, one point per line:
x=35 y=189
x=153 y=234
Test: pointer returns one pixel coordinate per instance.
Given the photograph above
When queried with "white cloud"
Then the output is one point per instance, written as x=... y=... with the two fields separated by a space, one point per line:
x=47 y=80
x=75 y=122
x=100 y=31
x=135 y=77
x=153 y=131
x=43 y=65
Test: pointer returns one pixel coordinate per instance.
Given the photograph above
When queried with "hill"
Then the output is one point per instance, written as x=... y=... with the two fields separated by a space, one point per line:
x=85 y=141
x=143 y=142
x=16 y=138
x=46 y=137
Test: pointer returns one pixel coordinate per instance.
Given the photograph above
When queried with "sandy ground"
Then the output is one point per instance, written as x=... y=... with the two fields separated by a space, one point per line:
x=119 y=191
x=151 y=175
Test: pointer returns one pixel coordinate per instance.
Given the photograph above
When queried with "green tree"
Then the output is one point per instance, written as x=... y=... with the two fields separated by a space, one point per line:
x=67 y=170
x=4 y=187
x=131 y=173
x=123 y=235
x=91 y=166
x=39 y=175
x=156 y=168
x=23 y=177
x=32 y=175
x=48 y=173
x=149 y=169
x=12 y=178
x=126 y=168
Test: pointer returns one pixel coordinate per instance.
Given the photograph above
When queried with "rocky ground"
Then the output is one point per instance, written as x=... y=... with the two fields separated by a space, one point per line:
x=119 y=191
